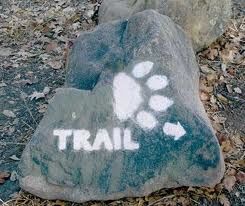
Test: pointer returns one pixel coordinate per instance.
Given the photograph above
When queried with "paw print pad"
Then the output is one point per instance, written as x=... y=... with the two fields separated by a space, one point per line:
x=128 y=95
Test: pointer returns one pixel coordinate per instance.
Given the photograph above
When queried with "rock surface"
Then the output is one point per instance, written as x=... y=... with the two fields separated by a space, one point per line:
x=203 y=20
x=132 y=124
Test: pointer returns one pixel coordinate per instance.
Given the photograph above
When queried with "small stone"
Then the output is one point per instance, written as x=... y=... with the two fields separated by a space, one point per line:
x=238 y=90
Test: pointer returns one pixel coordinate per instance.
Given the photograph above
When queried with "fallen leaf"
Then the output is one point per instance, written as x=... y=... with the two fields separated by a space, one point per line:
x=227 y=55
x=13 y=157
x=238 y=90
x=5 y=52
x=37 y=95
x=55 y=64
x=42 y=108
x=13 y=176
x=241 y=163
x=226 y=146
x=212 y=53
x=3 y=85
x=222 y=98
x=4 y=176
x=229 y=88
x=240 y=176
x=9 y=113
x=204 y=96
x=231 y=172
x=46 y=90
x=224 y=200
x=229 y=182
x=51 y=47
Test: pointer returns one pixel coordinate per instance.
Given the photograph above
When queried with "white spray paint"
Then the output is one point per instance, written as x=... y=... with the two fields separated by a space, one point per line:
x=142 y=69
x=117 y=140
x=102 y=140
x=127 y=96
x=157 y=82
x=63 y=134
x=81 y=140
x=146 y=120
x=127 y=100
x=175 y=130
x=127 y=141
x=160 y=103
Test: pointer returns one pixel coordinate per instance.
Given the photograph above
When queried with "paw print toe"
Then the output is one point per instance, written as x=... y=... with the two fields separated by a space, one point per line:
x=146 y=120
x=157 y=82
x=142 y=69
x=160 y=103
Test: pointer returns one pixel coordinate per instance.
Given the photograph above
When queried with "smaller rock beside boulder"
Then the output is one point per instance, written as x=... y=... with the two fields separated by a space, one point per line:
x=203 y=20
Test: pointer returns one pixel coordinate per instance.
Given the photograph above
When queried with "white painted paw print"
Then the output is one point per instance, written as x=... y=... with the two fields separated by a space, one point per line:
x=128 y=95
x=128 y=98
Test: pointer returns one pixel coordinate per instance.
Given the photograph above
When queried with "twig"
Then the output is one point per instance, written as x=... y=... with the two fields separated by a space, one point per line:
x=195 y=201
x=4 y=204
x=28 y=125
x=29 y=110
x=166 y=197
x=13 y=143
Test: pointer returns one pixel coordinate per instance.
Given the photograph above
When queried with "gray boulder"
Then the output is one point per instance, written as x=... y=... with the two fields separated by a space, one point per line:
x=203 y=20
x=132 y=123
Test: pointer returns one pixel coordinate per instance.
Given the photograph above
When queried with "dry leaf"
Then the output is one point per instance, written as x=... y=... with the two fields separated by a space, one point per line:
x=224 y=200
x=9 y=113
x=5 y=52
x=222 y=98
x=229 y=182
x=51 y=47
x=3 y=85
x=4 y=176
x=227 y=55
x=240 y=176
x=46 y=90
x=231 y=172
x=204 y=96
x=238 y=90
x=15 y=158
x=55 y=64
x=212 y=53
x=13 y=176
x=226 y=146
x=39 y=95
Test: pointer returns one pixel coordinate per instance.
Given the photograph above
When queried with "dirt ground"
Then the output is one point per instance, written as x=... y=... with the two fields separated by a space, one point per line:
x=35 y=36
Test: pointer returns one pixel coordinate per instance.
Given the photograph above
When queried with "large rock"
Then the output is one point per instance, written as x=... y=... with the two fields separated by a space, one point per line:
x=132 y=125
x=203 y=20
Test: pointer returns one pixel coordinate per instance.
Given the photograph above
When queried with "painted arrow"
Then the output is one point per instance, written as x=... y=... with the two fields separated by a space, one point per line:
x=175 y=130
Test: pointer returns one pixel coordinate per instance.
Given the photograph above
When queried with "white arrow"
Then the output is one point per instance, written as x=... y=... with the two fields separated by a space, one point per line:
x=175 y=130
